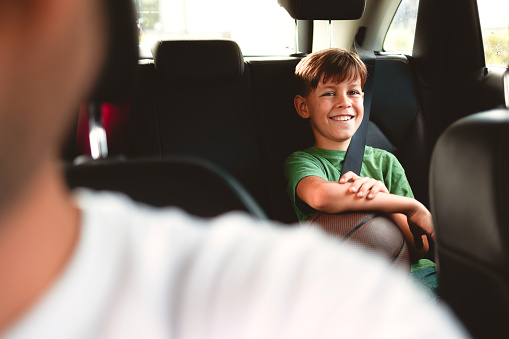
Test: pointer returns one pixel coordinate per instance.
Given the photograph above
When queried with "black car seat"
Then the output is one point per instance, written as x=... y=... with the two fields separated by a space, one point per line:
x=191 y=184
x=469 y=191
x=197 y=186
x=199 y=104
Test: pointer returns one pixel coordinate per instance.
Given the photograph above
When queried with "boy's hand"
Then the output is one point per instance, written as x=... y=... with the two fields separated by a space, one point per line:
x=362 y=185
x=421 y=224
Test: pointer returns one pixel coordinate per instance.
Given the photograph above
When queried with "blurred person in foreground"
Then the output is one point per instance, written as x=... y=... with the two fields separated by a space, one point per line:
x=89 y=265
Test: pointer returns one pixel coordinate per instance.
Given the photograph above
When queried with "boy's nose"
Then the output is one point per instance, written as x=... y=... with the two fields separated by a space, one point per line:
x=343 y=102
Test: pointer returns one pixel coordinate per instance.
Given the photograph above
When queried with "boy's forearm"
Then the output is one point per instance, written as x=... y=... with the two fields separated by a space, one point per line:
x=416 y=252
x=384 y=202
x=332 y=197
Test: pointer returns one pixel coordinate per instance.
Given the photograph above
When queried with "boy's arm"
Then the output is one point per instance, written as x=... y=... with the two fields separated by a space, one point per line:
x=417 y=243
x=334 y=197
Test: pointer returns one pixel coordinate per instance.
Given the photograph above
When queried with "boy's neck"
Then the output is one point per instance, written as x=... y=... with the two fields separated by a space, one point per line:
x=332 y=145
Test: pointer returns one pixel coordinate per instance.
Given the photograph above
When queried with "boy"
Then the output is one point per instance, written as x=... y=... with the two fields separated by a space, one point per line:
x=330 y=96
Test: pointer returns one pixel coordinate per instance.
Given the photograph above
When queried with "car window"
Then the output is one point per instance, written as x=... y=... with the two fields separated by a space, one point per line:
x=400 y=36
x=260 y=28
x=494 y=17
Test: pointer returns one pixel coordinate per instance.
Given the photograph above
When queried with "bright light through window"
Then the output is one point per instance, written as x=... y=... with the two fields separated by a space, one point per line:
x=260 y=27
x=400 y=36
x=494 y=17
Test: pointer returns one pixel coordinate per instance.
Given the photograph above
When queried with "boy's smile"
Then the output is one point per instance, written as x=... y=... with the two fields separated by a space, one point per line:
x=335 y=111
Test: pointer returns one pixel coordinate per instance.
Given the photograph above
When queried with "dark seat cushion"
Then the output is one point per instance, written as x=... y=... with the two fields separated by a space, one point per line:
x=197 y=186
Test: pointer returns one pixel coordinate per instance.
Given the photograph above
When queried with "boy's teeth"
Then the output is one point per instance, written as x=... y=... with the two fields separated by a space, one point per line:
x=342 y=118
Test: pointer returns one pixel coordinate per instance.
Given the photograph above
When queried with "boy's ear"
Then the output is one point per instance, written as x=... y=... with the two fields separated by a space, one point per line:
x=301 y=106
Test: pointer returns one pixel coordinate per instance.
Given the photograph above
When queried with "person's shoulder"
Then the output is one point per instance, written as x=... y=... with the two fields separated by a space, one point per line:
x=308 y=154
x=264 y=261
x=116 y=213
x=230 y=259
x=320 y=153
x=304 y=152
x=117 y=219
x=378 y=153
x=121 y=214
x=118 y=205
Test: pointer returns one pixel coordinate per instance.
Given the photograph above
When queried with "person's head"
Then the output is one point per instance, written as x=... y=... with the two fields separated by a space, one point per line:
x=52 y=51
x=330 y=94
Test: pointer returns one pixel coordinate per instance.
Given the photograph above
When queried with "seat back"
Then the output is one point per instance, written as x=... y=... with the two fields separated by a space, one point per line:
x=469 y=202
x=397 y=121
x=281 y=130
x=194 y=185
x=201 y=105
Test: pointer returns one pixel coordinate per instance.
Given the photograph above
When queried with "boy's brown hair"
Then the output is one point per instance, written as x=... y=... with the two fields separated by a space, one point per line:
x=336 y=64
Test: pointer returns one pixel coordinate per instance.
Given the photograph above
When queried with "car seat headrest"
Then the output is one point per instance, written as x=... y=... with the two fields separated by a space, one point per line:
x=117 y=78
x=198 y=62
x=324 y=9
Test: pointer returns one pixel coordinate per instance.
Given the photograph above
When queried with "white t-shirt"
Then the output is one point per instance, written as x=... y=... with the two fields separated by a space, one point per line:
x=140 y=272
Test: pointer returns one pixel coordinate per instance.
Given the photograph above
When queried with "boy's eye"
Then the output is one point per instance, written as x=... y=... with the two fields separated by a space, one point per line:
x=353 y=92
x=328 y=94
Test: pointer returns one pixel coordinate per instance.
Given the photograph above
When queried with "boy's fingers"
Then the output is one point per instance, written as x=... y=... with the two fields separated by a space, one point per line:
x=365 y=185
x=357 y=186
x=348 y=176
x=371 y=188
x=377 y=188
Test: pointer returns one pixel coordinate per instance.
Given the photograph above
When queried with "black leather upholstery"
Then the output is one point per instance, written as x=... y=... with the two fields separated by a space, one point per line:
x=281 y=130
x=396 y=113
x=470 y=205
x=198 y=62
x=200 y=106
x=197 y=186
x=324 y=9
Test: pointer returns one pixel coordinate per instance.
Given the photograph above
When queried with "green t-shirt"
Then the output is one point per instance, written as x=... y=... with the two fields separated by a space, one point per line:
x=327 y=164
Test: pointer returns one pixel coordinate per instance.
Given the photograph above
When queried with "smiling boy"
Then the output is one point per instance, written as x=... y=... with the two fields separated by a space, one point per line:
x=330 y=96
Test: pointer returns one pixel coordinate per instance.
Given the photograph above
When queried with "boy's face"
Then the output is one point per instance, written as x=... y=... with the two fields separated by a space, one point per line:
x=335 y=111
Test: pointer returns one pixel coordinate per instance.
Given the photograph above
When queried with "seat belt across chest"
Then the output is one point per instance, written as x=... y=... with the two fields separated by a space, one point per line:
x=355 y=153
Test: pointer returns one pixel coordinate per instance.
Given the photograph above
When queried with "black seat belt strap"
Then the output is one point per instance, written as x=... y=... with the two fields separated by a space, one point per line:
x=355 y=152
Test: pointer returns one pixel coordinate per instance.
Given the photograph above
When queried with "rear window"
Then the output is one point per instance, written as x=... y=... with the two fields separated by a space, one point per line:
x=494 y=17
x=401 y=33
x=261 y=27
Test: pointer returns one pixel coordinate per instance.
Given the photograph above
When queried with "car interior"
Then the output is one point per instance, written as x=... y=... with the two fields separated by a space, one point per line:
x=201 y=126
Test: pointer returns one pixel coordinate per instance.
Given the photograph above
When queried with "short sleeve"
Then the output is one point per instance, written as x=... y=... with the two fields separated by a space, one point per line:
x=395 y=178
x=298 y=166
